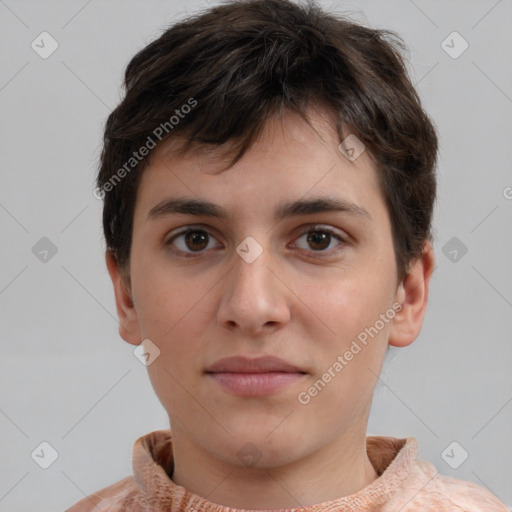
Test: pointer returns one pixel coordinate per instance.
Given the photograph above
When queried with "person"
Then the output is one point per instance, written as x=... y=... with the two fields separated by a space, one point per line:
x=268 y=183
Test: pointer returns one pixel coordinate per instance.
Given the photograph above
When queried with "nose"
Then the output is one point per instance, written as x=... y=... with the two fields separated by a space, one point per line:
x=254 y=300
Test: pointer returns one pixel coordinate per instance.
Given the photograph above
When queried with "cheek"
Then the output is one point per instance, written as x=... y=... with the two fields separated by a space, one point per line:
x=361 y=334
x=350 y=308
x=171 y=316
x=343 y=306
x=163 y=299
x=174 y=314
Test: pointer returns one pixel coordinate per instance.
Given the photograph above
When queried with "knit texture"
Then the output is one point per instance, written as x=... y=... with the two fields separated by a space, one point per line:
x=405 y=484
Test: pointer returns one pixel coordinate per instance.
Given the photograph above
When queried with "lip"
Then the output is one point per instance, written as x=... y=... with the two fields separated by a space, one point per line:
x=240 y=364
x=252 y=377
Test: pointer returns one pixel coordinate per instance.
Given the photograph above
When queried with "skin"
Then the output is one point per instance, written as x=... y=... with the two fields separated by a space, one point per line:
x=305 y=303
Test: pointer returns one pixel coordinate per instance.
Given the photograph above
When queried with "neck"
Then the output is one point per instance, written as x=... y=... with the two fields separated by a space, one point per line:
x=337 y=469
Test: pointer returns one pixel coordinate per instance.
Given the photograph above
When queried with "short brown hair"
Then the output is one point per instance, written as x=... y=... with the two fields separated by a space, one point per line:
x=239 y=63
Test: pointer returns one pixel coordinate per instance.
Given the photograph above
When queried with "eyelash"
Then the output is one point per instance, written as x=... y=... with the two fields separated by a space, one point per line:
x=314 y=228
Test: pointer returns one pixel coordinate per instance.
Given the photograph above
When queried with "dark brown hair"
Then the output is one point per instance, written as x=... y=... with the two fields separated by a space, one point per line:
x=218 y=76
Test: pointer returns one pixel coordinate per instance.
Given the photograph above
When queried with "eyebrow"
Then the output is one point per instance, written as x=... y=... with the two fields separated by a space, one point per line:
x=186 y=206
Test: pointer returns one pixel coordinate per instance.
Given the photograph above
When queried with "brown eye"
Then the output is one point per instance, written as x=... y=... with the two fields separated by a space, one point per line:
x=191 y=241
x=319 y=240
x=196 y=240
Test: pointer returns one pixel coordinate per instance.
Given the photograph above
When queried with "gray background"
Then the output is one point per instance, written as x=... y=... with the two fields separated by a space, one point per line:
x=67 y=377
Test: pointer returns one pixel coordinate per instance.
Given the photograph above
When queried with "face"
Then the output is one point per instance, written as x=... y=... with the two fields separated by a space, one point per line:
x=303 y=286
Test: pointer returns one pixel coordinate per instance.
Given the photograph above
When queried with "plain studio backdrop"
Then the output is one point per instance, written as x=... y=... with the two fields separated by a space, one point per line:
x=70 y=382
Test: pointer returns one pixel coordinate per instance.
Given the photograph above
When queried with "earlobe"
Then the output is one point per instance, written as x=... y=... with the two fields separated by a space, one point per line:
x=412 y=293
x=126 y=312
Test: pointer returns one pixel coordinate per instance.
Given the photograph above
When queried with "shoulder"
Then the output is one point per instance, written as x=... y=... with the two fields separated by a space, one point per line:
x=443 y=493
x=122 y=496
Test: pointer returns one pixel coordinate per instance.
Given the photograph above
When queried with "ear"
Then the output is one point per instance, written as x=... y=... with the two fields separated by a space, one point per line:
x=412 y=293
x=128 y=321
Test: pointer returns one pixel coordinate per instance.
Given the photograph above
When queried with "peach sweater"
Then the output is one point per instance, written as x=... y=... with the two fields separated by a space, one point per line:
x=405 y=484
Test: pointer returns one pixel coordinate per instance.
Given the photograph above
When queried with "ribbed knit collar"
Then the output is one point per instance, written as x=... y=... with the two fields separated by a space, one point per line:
x=153 y=461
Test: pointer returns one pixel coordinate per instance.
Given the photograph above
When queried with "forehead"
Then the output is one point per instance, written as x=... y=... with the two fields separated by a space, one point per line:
x=290 y=160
